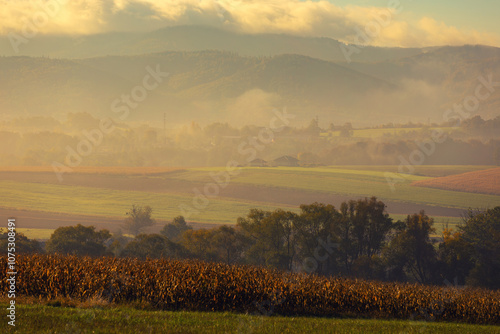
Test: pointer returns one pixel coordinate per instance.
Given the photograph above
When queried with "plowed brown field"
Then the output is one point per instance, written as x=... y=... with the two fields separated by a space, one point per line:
x=483 y=182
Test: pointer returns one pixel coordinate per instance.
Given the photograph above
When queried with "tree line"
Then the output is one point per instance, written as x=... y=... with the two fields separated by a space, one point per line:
x=358 y=239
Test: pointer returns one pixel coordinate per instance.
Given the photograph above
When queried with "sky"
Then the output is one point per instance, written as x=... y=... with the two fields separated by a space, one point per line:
x=402 y=23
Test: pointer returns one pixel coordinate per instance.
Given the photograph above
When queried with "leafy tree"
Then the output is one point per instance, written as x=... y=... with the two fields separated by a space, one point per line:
x=138 y=219
x=174 y=230
x=316 y=230
x=153 y=246
x=78 y=240
x=411 y=249
x=117 y=243
x=482 y=232
x=200 y=244
x=23 y=244
x=271 y=237
x=364 y=226
x=455 y=256
x=229 y=244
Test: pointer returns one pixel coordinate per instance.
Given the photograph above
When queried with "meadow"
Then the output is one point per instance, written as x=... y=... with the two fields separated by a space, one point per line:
x=350 y=182
x=107 y=193
x=115 y=203
x=42 y=318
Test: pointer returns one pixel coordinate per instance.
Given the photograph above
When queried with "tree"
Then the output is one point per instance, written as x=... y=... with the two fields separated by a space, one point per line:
x=455 y=256
x=313 y=127
x=200 y=244
x=271 y=237
x=346 y=130
x=411 y=249
x=153 y=246
x=363 y=229
x=174 y=230
x=316 y=238
x=78 y=240
x=23 y=245
x=229 y=244
x=138 y=219
x=482 y=232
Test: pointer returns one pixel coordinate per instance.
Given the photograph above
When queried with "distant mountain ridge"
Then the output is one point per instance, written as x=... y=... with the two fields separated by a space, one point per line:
x=230 y=85
x=197 y=38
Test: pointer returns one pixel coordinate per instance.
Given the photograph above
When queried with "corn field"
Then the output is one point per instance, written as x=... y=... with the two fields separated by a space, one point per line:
x=195 y=285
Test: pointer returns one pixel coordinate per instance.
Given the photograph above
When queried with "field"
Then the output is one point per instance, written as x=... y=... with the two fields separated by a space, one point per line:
x=100 y=196
x=483 y=182
x=233 y=291
x=35 y=318
x=377 y=133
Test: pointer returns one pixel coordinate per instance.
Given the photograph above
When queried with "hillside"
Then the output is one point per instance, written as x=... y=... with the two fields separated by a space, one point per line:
x=196 y=38
x=482 y=182
x=212 y=86
x=452 y=70
x=44 y=86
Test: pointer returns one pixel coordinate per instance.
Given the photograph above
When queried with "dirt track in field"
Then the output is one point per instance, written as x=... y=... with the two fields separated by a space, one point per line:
x=275 y=196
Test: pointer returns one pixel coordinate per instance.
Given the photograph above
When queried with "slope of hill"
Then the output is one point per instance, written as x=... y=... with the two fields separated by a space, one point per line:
x=196 y=38
x=483 y=182
x=208 y=85
x=449 y=75
x=50 y=86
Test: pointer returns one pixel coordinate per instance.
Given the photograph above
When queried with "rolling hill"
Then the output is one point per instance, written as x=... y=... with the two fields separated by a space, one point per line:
x=196 y=38
x=482 y=182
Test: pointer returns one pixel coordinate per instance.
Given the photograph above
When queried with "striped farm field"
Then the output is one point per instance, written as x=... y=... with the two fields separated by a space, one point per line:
x=482 y=182
x=350 y=182
x=111 y=203
x=113 y=170
x=211 y=196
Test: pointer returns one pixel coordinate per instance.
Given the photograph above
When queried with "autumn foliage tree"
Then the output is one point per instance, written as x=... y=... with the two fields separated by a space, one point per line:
x=78 y=240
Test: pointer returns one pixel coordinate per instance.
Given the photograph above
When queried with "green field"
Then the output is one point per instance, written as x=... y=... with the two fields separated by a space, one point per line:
x=36 y=233
x=49 y=319
x=114 y=203
x=351 y=182
x=344 y=181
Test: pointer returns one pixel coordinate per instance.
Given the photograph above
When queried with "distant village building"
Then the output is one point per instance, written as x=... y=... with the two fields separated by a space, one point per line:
x=286 y=160
x=258 y=163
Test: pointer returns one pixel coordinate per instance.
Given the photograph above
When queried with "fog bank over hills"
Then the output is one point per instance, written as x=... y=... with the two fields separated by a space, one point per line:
x=196 y=38
x=215 y=75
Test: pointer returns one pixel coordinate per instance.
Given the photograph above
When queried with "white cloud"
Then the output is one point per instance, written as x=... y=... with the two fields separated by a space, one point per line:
x=317 y=18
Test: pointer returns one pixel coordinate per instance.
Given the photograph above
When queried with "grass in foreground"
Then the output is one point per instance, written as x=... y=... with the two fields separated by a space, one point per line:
x=123 y=319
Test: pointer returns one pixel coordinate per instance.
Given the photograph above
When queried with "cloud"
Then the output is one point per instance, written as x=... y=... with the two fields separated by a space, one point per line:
x=311 y=18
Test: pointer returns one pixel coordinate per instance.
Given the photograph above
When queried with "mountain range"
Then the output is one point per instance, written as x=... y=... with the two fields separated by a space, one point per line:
x=215 y=75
